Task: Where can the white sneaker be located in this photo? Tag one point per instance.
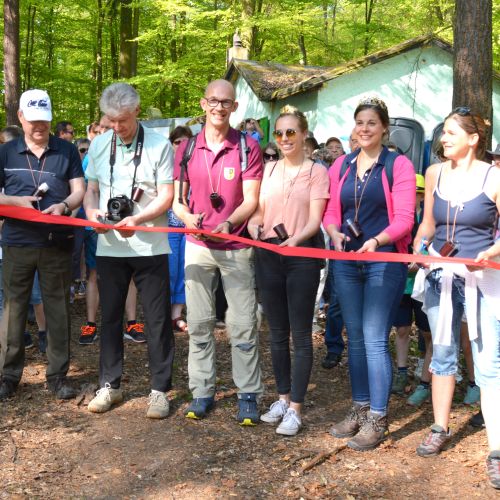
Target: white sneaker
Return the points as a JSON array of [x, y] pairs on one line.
[[105, 398], [158, 406], [290, 424], [276, 412]]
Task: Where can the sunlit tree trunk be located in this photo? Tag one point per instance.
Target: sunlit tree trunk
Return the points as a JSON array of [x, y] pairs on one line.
[[12, 85]]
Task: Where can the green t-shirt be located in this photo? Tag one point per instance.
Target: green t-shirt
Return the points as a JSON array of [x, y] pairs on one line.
[[156, 167]]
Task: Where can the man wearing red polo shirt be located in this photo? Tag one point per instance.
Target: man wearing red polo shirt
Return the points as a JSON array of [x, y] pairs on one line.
[[221, 199]]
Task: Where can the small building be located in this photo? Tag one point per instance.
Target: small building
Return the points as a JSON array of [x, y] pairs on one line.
[[414, 78]]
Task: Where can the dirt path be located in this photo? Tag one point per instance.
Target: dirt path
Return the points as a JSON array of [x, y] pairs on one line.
[[55, 449]]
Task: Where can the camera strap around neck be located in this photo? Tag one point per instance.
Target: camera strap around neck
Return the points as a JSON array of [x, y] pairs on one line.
[[137, 157]]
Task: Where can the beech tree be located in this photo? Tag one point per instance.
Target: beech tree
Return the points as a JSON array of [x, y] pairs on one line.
[[12, 84], [473, 56]]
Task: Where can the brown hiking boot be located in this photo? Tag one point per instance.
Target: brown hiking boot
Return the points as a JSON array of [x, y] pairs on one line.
[[351, 423], [433, 442], [374, 430]]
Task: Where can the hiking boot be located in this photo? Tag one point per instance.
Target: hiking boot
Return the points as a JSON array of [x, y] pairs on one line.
[[28, 341], [493, 468], [351, 423], [7, 389], [158, 405], [276, 412], [248, 413], [399, 383], [473, 395], [105, 398], [373, 431], [42, 342], [88, 334], [434, 442], [291, 423], [135, 333], [60, 388], [199, 408], [419, 396], [331, 360], [477, 420]]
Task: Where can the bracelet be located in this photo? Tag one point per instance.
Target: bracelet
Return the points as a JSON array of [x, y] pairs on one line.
[[378, 242], [230, 224]]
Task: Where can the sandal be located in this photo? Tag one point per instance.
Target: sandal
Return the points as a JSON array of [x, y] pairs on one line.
[[179, 325]]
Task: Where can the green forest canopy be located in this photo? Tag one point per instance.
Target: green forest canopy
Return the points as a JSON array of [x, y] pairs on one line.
[[72, 49]]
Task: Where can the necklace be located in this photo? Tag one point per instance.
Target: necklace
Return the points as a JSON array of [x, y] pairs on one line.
[[215, 197], [357, 203]]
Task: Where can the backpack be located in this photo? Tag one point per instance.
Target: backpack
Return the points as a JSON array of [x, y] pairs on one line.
[[188, 153], [388, 166]]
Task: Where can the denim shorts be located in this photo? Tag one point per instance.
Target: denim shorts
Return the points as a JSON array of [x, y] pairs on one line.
[[36, 293], [485, 348], [90, 243], [444, 358]]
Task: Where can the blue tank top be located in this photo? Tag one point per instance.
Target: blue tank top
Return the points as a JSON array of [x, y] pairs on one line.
[[476, 222]]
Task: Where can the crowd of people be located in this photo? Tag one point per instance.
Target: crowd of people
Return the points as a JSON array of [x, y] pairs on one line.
[[289, 193]]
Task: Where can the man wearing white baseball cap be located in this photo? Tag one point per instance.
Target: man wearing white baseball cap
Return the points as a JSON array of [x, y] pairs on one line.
[[38, 171]]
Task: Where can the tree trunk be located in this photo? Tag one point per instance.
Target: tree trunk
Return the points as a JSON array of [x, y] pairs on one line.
[[302, 47], [126, 25], [113, 45], [250, 31], [135, 45], [11, 60], [30, 42], [473, 56], [368, 18], [98, 60]]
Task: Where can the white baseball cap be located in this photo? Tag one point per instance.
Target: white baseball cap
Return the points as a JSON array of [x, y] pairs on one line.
[[36, 106]]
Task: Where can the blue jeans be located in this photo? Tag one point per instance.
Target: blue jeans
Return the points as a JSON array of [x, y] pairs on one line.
[[485, 349], [369, 294], [177, 243], [334, 322]]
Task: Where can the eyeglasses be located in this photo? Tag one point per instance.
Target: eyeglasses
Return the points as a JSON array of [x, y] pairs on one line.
[[465, 111], [214, 102], [289, 132], [271, 157], [83, 150]]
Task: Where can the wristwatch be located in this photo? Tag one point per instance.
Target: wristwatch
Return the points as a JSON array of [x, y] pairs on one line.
[[67, 210]]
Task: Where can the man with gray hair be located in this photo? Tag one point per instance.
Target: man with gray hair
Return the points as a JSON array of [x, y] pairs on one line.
[[130, 184]]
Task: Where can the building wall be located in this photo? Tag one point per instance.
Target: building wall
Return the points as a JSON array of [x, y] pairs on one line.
[[417, 84]]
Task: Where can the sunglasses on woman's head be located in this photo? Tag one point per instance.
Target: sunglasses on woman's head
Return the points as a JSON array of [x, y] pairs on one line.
[[289, 132], [465, 111], [271, 157]]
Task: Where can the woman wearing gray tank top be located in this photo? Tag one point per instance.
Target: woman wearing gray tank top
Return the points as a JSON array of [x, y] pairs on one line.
[[462, 203]]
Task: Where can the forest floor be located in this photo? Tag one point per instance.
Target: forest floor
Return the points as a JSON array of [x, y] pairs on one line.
[[54, 449]]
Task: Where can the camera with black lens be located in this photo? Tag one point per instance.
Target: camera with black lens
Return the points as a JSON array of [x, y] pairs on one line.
[[119, 207]]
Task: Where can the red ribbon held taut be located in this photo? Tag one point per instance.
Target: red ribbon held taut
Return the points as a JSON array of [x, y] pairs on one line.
[[32, 215]]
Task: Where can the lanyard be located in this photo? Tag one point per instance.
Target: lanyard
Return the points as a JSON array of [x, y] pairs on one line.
[[137, 158], [39, 173]]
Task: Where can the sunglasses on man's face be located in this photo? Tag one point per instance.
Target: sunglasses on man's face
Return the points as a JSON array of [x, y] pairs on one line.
[[289, 132], [83, 150], [271, 157]]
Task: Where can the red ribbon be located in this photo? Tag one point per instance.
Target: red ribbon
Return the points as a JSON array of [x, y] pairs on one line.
[[32, 215]]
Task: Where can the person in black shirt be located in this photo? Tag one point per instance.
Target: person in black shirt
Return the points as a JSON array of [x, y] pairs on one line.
[[26, 165]]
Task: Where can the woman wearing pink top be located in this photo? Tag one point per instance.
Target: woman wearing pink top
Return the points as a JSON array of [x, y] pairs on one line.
[[293, 196], [369, 211]]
